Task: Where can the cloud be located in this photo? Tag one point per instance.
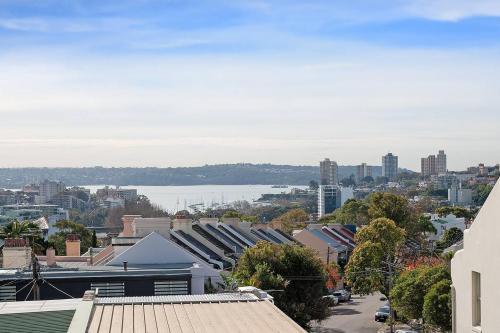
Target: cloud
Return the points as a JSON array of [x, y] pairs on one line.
[[453, 10]]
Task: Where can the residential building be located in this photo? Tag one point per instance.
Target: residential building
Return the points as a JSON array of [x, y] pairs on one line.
[[434, 164], [328, 172], [483, 170], [329, 199], [334, 243], [459, 196], [443, 181], [149, 266], [475, 270], [127, 194], [248, 310], [441, 163], [441, 224], [362, 171], [47, 190], [428, 166], [390, 166]]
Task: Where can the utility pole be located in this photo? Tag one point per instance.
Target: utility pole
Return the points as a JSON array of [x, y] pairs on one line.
[[36, 277], [328, 256], [391, 311]]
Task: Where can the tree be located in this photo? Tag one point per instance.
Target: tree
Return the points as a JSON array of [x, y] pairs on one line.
[[94, 239], [352, 212], [425, 226], [26, 230], [313, 185], [450, 237], [66, 228], [411, 287], [347, 182], [16, 229], [291, 220], [391, 206], [437, 305], [296, 274], [375, 256], [481, 193], [367, 179], [457, 211]]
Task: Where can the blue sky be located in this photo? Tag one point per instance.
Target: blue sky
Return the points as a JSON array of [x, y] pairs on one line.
[[170, 83]]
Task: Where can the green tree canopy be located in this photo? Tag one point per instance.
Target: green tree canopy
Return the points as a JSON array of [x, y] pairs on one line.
[[16, 229], [313, 185], [352, 212], [391, 206], [374, 256], [66, 228], [457, 211], [295, 272], [411, 287], [481, 193], [293, 219], [437, 305], [450, 237]]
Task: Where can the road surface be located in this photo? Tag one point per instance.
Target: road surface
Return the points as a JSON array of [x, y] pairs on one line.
[[357, 316]]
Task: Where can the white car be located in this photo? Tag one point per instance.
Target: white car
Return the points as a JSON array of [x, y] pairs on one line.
[[333, 299], [406, 331]]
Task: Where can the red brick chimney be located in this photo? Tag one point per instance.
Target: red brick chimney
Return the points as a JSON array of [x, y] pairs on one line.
[[72, 245]]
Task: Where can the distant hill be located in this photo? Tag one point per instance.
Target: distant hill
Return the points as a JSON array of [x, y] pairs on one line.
[[222, 174]]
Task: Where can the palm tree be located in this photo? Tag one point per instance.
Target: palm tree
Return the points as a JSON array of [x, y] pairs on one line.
[[17, 229]]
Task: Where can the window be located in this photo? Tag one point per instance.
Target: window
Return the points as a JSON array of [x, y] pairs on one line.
[[476, 299], [7, 293], [173, 287], [105, 289]]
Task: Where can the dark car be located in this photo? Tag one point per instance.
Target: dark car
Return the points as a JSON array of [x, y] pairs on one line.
[[383, 314]]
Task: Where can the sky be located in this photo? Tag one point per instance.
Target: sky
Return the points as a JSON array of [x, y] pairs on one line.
[[188, 83]]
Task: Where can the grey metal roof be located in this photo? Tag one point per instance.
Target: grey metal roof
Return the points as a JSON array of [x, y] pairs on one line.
[[100, 271], [171, 299]]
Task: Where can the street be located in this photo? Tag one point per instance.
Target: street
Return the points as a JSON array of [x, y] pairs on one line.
[[356, 316]]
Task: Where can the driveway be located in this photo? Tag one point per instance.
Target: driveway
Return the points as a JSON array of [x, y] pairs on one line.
[[353, 317]]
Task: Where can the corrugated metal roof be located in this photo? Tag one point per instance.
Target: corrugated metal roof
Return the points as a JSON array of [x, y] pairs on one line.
[[227, 317], [39, 322]]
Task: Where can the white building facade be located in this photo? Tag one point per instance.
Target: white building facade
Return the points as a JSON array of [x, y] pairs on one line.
[[475, 272]]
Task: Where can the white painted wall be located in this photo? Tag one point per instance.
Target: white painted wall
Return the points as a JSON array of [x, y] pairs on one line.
[[481, 254], [451, 222]]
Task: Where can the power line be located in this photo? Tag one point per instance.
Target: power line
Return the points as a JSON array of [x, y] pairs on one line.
[[61, 291]]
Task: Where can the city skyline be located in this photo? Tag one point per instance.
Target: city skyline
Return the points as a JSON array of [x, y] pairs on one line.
[[184, 84]]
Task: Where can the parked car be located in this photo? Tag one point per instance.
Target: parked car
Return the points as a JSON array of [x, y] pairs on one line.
[[383, 314], [406, 331], [333, 299], [343, 295]]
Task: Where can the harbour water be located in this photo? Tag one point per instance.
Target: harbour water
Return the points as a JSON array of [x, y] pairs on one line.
[[175, 198]]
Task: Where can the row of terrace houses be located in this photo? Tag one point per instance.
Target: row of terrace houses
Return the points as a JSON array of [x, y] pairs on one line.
[[153, 256]]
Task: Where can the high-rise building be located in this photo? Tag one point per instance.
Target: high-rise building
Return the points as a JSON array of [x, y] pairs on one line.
[[49, 189], [428, 165], [434, 164], [329, 199], [362, 171], [328, 172], [441, 166], [390, 166]]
